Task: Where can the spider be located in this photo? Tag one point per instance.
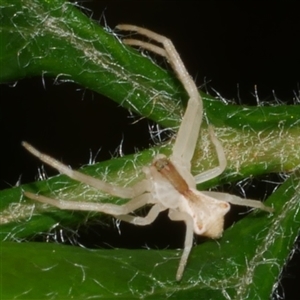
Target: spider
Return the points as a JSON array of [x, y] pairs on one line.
[[168, 183]]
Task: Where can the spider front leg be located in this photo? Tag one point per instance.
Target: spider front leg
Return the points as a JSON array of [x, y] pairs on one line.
[[140, 192], [188, 132], [118, 191]]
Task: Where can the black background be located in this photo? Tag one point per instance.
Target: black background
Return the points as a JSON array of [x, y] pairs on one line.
[[228, 43]]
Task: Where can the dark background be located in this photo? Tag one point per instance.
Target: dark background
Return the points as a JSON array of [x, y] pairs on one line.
[[225, 43]]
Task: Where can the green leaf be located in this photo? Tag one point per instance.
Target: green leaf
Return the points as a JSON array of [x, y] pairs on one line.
[[233, 267], [54, 38]]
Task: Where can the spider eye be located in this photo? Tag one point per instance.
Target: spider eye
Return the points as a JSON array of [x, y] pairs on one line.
[[161, 163]]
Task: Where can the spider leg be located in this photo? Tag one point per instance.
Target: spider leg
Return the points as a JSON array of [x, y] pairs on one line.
[[108, 208], [142, 221], [122, 192], [188, 243], [209, 174], [188, 132], [238, 200]]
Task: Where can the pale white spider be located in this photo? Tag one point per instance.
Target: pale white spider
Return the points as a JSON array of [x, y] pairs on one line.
[[168, 184]]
